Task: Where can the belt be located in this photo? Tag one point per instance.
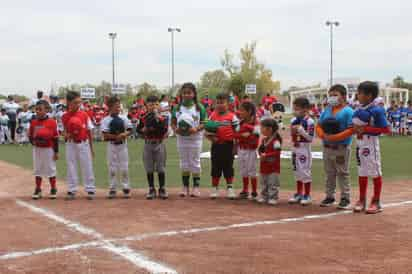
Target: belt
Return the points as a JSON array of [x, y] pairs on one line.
[[335, 147], [116, 143], [153, 142], [76, 142]]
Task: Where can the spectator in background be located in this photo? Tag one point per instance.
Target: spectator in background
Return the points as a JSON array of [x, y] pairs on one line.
[[11, 108]]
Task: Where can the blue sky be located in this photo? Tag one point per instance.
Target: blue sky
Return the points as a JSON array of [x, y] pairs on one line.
[[48, 41]]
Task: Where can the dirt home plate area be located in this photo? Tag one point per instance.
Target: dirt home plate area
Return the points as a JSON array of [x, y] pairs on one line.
[[197, 235]]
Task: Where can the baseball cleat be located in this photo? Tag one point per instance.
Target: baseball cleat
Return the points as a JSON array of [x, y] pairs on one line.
[[230, 193], [261, 200], [359, 206], [215, 193], [272, 202], [184, 192], [295, 199], [126, 193], [374, 207], [344, 203], [112, 194], [306, 200], [327, 202], [70, 196], [53, 194], [243, 195], [90, 195], [163, 194], [254, 196], [151, 194], [195, 192], [37, 194]]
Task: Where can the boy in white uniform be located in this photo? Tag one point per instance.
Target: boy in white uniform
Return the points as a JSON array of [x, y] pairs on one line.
[[24, 117], [116, 128], [4, 128]]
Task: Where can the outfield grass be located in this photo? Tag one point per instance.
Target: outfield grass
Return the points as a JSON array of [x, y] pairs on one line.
[[395, 154]]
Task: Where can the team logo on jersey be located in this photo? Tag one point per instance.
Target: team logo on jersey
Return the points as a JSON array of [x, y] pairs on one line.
[[302, 159], [366, 152]]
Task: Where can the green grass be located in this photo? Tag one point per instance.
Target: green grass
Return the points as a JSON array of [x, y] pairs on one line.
[[395, 154]]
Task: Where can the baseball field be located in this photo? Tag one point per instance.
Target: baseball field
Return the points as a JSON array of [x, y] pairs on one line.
[[189, 235]]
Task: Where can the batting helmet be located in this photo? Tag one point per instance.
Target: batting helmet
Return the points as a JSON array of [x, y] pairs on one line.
[[74, 125], [361, 117]]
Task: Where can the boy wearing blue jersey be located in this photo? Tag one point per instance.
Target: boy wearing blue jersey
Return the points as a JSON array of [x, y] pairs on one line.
[[369, 123]]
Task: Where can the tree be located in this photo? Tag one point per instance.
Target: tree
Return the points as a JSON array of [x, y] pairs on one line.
[[213, 82]]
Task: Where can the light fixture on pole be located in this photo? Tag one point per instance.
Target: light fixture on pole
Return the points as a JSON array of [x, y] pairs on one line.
[[172, 30], [331, 24], [113, 35]]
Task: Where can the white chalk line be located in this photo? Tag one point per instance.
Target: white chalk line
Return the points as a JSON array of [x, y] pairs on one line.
[[121, 250], [14, 255]]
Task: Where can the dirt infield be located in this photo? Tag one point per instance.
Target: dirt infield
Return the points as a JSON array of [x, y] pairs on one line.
[[197, 235]]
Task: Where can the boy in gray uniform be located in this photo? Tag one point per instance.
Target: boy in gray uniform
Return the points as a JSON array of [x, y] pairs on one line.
[[154, 130]]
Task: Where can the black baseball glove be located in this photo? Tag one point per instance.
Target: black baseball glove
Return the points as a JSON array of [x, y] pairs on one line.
[[330, 126]]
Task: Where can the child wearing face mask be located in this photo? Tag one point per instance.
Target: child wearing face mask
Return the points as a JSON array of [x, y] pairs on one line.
[[337, 147], [302, 131]]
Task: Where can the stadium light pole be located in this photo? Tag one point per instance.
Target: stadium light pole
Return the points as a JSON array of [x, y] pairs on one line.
[[172, 31], [113, 35], [331, 24]]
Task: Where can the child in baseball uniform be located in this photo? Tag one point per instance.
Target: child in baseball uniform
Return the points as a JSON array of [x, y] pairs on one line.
[[154, 130], [269, 152], [222, 156], [369, 123], [116, 128], [79, 146], [395, 118], [187, 121], [43, 136], [302, 131], [5, 136], [248, 140], [403, 125], [23, 118], [409, 118]]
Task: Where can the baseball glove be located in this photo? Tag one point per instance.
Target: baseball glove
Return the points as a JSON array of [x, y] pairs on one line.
[[211, 126], [19, 130], [116, 127], [154, 124], [330, 126]]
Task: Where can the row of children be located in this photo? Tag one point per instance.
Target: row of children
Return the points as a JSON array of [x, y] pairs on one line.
[[400, 118]]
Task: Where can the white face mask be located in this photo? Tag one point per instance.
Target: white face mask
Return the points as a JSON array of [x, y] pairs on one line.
[[333, 101]]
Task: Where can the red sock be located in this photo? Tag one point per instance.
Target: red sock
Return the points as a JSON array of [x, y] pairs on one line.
[[363, 186], [245, 184], [38, 182], [229, 181], [307, 188], [52, 182], [254, 184], [377, 188], [215, 181], [299, 187]]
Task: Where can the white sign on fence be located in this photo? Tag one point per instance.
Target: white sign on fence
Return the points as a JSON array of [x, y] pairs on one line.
[[88, 93], [250, 89], [118, 89], [285, 154]]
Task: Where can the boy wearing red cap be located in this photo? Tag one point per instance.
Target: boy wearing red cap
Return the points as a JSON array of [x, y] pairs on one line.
[[79, 146]]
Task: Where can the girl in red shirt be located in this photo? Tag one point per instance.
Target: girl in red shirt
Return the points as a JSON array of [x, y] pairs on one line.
[[269, 152]]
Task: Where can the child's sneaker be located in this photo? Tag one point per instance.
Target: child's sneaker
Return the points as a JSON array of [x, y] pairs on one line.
[[195, 192], [70, 196], [151, 194], [254, 196], [163, 194], [37, 194], [53, 194], [230, 193], [90, 195], [112, 194], [243, 195], [295, 199], [184, 192], [374, 207], [261, 200], [126, 193], [215, 193], [344, 203], [272, 202], [327, 202], [306, 200], [359, 206]]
